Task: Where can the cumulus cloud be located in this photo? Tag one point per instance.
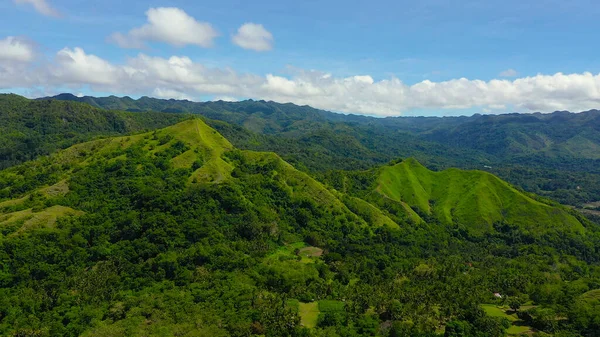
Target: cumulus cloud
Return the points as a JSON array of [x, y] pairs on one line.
[[14, 49], [16, 58], [181, 77], [170, 25], [253, 36], [74, 66], [225, 99], [169, 94], [509, 73], [41, 6]]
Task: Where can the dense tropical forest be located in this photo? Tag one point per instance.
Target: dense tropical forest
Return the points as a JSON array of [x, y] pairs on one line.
[[272, 220], [30, 128]]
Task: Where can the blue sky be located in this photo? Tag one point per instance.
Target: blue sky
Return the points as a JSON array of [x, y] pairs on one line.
[[320, 52]]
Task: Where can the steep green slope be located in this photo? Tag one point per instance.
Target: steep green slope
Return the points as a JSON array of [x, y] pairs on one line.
[[475, 199], [30, 128]]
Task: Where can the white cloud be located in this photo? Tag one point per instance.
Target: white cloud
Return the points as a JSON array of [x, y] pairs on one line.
[[169, 93], [509, 73], [253, 36], [13, 49], [181, 77], [170, 25], [225, 99], [41, 6], [74, 66]]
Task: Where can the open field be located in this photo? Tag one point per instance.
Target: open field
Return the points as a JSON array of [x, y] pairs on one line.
[[518, 326], [309, 314]]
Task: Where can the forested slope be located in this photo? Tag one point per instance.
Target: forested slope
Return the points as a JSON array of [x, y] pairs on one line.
[[30, 128]]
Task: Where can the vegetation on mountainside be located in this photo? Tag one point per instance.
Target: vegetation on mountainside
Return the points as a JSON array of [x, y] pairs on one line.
[[474, 199], [30, 128], [177, 232], [554, 155]]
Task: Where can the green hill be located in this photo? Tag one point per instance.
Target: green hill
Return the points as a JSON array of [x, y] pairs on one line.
[[475, 199], [192, 148]]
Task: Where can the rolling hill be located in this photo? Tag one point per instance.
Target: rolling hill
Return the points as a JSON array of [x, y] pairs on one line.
[[474, 199], [190, 147]]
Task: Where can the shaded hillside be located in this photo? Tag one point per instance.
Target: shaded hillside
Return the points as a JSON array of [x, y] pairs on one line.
[[560, 134], [30, 128]]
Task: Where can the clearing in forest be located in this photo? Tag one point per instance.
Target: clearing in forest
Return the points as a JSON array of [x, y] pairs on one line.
[[518, 326], [309, 314]]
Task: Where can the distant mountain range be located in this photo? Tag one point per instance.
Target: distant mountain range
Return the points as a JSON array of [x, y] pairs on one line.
[[561, 133], [556, 154]]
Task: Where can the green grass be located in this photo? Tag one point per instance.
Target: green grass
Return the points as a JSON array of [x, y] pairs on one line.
[[495, 311], [209, 143], [59, 189], [475, 199], [592, 295], [331, 306], [517, 326], [367, 211], [286, 252], [310, 254], [28, 219], [518, 329], [185, 160], [309, 314], [13, 202]]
